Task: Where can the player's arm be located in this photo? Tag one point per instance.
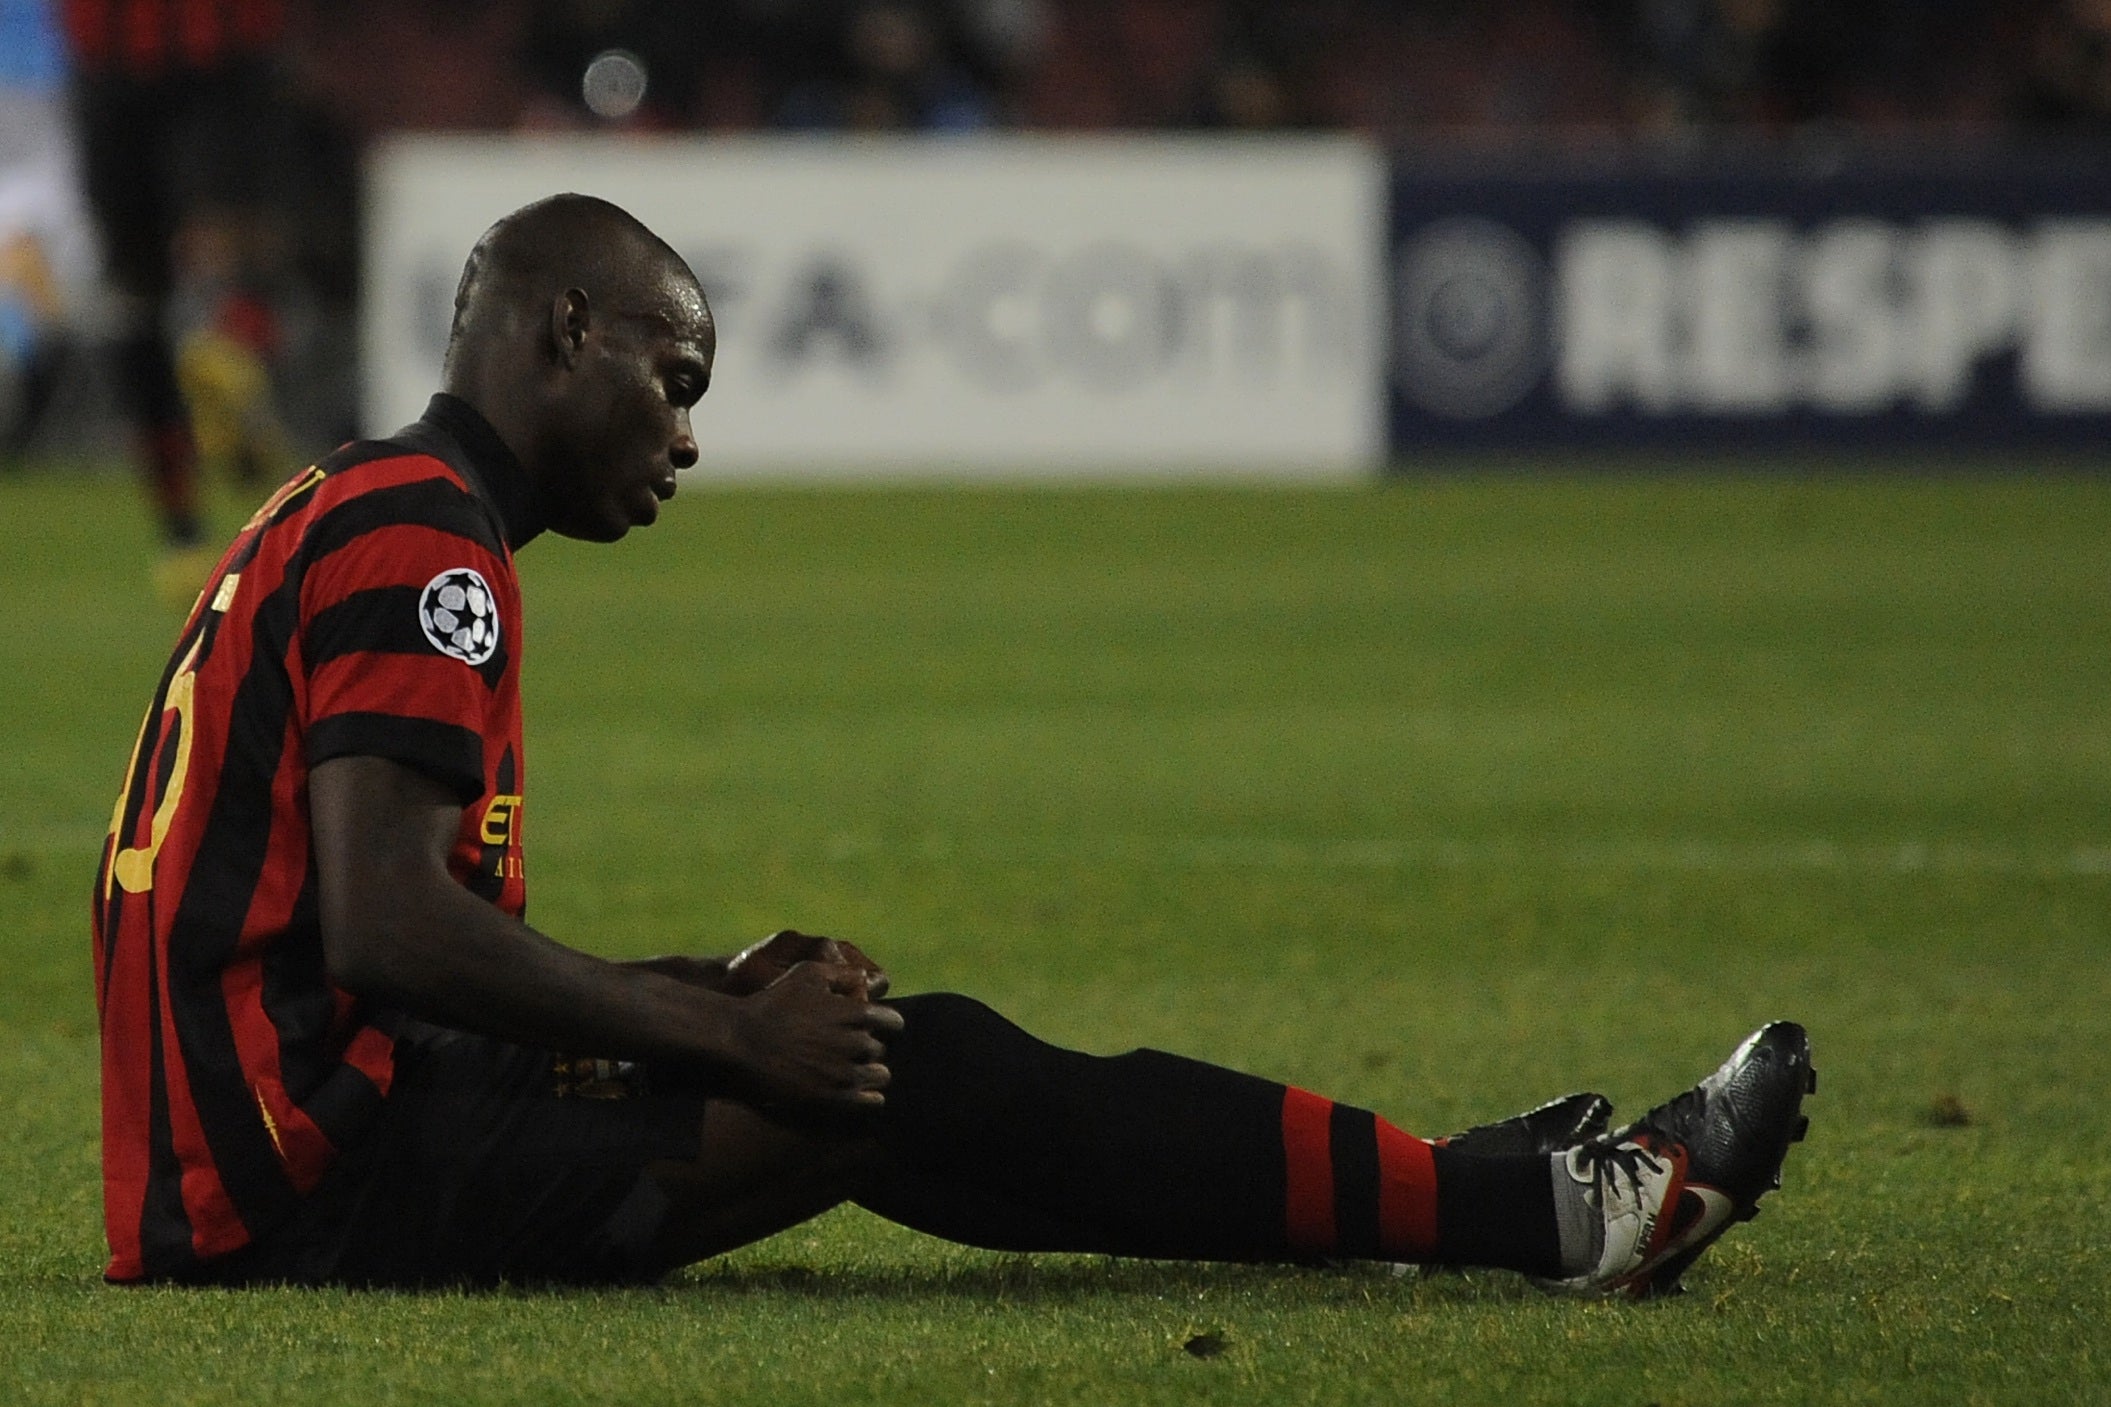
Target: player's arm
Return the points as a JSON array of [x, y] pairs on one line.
[[711, 973], [398, 929], [764, 963]]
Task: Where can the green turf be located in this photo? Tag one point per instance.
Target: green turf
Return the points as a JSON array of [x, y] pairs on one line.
[[1441, 797]]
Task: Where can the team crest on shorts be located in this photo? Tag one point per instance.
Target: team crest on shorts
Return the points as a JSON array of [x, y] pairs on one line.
[[460, 615]]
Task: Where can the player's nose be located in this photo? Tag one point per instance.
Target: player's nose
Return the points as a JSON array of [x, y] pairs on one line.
[[682, 453]]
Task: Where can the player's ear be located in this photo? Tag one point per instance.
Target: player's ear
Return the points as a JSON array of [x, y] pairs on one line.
[[569, 316]]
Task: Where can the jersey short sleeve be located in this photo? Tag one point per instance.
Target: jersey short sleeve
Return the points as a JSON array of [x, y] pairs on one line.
[[405, 634]]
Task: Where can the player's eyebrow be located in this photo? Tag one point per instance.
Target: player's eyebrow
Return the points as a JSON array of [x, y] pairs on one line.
[[677, 331]]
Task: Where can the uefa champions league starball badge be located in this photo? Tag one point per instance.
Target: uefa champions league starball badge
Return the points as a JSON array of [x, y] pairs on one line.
[[460, 615]]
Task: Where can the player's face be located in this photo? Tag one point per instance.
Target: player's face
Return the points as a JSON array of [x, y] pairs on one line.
[[626, 416]]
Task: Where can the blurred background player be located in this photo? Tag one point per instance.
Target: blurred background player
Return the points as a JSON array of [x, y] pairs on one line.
[[181, 123]]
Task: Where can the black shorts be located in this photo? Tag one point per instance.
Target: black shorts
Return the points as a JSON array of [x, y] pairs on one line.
[[489, 1163], [157, 150]]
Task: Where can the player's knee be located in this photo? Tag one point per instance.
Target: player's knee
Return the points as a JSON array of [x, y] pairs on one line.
[[949, 1026], [956, 1060]]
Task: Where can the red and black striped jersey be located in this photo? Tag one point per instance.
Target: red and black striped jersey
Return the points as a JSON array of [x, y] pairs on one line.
[[145, 38], [369, 608]]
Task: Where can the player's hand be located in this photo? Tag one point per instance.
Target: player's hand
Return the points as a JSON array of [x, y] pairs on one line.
[[758, 965], [812, 1037]]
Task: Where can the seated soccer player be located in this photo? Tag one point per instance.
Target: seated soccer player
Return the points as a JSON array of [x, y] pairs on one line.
[[334, 1053]]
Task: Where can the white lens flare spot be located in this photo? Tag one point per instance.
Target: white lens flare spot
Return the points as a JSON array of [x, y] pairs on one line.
[[614, 84]]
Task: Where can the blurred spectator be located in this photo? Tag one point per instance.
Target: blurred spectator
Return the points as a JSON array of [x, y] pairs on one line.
[[1704, 61], [1779, 65], [874, 65], [46, 258], [2066, 84], [694, 62]]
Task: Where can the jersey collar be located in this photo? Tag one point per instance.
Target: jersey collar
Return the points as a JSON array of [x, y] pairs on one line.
[[495, 473]]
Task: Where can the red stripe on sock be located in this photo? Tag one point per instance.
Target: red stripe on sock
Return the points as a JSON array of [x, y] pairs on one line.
[[172, 471], [1407, 1195], [1308, 1171]]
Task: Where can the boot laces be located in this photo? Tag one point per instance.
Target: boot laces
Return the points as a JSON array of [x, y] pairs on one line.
[[1609, 1163]]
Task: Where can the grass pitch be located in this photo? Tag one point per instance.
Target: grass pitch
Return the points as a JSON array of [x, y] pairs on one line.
[[1441, 797]]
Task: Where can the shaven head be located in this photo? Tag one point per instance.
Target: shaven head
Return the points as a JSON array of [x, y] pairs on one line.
[[534, 254], [584, 341]]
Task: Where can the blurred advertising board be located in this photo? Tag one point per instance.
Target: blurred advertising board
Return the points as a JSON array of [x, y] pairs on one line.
[[1763, 299], [990, 308]]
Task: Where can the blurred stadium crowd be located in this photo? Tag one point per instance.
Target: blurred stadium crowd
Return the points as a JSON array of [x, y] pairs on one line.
[[257, 311], [1396, 68]]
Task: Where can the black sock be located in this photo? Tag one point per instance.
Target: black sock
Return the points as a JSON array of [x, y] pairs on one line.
[[1498, 1211], [1005, 1141], [146, 384]]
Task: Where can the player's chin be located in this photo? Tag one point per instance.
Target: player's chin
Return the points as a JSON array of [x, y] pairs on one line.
[[645, 504], [613, 517], [600, 528], [640, 510]]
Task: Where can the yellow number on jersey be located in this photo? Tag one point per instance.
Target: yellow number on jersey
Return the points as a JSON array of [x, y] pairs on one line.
[[133, 867]]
